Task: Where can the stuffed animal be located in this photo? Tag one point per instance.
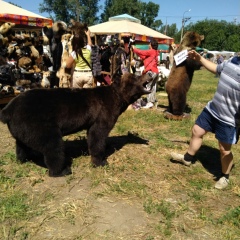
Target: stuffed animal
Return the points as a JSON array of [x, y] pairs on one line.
[[6, 32], [25, 63], [45, 82], [5, 27]]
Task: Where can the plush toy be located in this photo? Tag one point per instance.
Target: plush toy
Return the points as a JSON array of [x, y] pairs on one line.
[[25, 63], [5, 27], [63, 73], [180, 78], [14, 52], [45, 82], [6, 32]]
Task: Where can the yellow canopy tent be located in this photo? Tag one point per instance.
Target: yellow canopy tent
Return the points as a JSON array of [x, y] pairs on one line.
[[126, 25], [22, 17]]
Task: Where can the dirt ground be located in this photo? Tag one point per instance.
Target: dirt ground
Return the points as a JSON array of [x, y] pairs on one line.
[[91, 205], [94, 218]]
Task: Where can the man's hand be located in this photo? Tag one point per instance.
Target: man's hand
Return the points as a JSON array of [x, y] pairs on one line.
[[194, 55]]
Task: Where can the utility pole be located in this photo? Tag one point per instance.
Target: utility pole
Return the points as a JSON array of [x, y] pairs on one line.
[[165, 32], [183, 22]]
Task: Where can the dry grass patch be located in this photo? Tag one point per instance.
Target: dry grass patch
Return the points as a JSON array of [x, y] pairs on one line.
[[140, 195]]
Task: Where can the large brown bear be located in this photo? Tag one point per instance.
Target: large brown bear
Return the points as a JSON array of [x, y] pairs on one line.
[[39, 118], [180, 78]]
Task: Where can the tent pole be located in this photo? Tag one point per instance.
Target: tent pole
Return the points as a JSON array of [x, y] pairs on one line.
[[131, 57]]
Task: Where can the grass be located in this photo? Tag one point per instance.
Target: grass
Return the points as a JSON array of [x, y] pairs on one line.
[[166, 200]]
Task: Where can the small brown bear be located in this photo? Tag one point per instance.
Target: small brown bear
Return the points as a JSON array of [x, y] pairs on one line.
[[63, 73], [180, 78]]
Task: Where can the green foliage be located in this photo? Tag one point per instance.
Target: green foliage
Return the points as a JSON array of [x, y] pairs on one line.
[[15, 4], [218, 35], [80, 10], [146, 12]]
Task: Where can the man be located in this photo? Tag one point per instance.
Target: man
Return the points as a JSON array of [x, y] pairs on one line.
[[150, 61], [220, 116]]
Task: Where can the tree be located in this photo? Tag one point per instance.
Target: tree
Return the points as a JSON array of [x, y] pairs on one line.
[[218, 35], [15, 4], [57, 9], [80, 10], [169, 30], [116, 7], [106, 11], [146, 12]]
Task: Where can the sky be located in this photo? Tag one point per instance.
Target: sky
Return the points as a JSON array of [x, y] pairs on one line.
[[173, 11]]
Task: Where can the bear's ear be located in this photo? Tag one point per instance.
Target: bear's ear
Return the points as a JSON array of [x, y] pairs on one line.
[[202, 37]]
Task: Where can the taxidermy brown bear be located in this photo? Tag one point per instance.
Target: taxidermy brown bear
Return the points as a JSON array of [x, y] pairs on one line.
[[39, 118], [180, 78]]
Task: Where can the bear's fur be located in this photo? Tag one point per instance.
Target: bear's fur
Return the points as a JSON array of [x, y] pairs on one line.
[[180, 78], [39, 118]]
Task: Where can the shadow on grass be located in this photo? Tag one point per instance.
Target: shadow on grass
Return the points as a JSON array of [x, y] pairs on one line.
[[79, 147], [209, 158], [188, 109]]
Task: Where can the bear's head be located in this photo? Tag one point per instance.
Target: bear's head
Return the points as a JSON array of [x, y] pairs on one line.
[[190, 41]]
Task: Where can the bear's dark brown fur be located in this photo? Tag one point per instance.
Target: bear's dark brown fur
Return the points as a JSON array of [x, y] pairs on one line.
[[39, 118], [180, 78]]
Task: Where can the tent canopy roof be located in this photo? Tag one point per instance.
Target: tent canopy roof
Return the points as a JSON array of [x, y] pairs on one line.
[[124, 17], [124, 24], [20, 16]]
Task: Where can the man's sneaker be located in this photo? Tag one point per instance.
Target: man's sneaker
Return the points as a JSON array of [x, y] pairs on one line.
[[180, 158], [149, 105], [222, 183]]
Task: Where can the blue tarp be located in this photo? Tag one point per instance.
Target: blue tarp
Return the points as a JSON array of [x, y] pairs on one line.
[[163, 47]]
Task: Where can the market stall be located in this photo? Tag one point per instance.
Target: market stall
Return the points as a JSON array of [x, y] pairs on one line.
[[128, 26], [23, 20], [21, 17]]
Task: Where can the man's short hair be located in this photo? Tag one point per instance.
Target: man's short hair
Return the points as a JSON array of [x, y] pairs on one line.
[[154, 44]]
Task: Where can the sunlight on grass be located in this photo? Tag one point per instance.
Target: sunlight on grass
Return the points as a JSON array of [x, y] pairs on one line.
[[175, 201]]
